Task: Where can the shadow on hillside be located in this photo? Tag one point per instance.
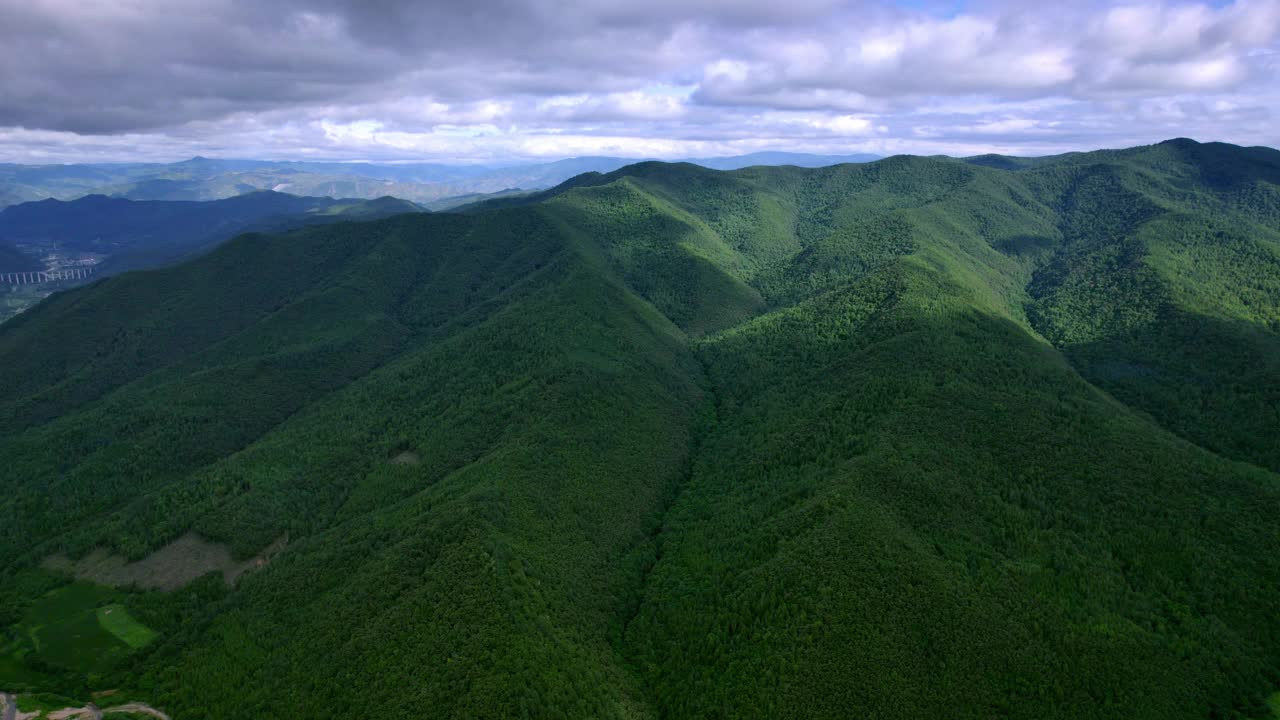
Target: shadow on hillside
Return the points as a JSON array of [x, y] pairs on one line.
[[1213, 381]]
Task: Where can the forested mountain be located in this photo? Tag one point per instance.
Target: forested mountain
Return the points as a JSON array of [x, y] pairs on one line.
[[915, 438]]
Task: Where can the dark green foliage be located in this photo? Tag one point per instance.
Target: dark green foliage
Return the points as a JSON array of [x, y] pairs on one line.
[[918, 438], [14, 260]]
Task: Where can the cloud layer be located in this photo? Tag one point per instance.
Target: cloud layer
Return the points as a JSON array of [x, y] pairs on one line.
[[500, 80]]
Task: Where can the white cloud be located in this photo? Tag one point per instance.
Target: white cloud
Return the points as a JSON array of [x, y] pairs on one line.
[[498, 79], [844, 125]]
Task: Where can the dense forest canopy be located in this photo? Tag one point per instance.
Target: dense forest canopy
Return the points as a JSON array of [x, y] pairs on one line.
[[921, 437]]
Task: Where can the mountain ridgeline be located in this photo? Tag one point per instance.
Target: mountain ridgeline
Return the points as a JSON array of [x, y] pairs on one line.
[[436, 186], [914, 438]]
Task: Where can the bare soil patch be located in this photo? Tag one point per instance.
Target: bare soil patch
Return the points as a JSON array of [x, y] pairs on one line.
[[88, 711], [137, 708], [169, 568], [408, 457]]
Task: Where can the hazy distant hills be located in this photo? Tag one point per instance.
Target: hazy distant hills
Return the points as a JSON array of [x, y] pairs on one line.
[[205, 179], [132, 234], [780, 158], [112, 235]]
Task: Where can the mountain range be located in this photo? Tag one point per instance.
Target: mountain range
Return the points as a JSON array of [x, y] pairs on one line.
[[210, 179], [920, 437]]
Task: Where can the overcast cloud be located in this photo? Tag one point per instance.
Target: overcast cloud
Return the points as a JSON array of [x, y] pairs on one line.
[[501, 80]]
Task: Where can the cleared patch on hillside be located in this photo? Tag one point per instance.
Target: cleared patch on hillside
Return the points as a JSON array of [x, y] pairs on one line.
[[408, 457], [169, 568]]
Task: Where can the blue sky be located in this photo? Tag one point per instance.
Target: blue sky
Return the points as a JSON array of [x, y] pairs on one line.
[[506, 80]]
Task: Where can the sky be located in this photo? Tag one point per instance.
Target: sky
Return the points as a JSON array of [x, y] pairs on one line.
[[485, 81]]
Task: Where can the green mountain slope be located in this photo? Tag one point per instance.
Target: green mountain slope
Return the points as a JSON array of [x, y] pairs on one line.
[[920, 437]]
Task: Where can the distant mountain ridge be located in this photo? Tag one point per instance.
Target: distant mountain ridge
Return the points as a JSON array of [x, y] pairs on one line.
[[116, 234], [804, 160], [145, 233], [201, 178]]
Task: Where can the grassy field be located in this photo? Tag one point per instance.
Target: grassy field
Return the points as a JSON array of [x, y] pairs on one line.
[[117, 621], [65, 631], [80, 628]]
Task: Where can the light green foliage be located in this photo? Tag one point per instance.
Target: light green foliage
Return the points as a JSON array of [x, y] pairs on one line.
[[69, 634], [917, 438], [116, 620]]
